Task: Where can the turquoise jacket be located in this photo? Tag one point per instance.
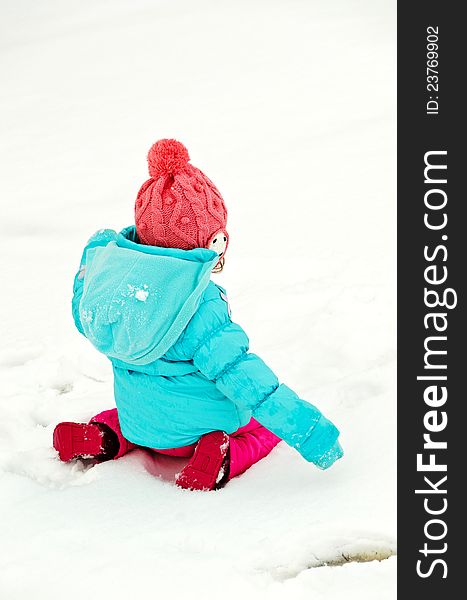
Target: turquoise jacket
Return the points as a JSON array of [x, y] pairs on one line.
[[181, 365]]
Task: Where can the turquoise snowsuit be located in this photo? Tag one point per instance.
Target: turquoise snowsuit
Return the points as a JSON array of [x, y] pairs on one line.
[[181, 365]]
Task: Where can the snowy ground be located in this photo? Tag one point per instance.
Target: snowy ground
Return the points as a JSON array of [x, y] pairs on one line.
[[290, 108]]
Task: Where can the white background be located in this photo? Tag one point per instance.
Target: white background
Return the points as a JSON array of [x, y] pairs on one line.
[[289, 107]]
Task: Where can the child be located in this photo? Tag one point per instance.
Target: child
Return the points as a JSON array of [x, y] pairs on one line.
[[185, 383]]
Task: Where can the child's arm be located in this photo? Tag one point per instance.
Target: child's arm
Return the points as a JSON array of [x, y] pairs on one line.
[[100, 238], [219, 349]]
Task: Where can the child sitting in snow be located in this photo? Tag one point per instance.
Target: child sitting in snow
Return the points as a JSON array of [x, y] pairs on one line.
[[185, 383]]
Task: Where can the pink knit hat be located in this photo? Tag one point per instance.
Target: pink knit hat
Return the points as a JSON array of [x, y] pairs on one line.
[[179, 207]]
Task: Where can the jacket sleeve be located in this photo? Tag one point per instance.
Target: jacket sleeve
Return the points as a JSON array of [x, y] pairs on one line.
[[100, 238], [221, 353]]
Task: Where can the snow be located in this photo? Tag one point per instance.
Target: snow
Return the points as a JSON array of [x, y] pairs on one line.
[[290, 108], [141, 295]]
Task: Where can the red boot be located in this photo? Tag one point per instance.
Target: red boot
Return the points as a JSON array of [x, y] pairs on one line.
[[82, 440], [208, 464]]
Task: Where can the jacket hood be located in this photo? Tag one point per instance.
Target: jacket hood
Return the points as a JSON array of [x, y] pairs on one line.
[[138, 299]]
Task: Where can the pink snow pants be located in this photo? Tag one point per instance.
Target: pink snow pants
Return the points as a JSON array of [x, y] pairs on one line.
[[248, 445]]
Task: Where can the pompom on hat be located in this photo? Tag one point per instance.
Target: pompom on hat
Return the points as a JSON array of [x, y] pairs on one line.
[[179, 207]]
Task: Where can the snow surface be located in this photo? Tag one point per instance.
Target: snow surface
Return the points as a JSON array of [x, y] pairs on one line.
[[290, 108]]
